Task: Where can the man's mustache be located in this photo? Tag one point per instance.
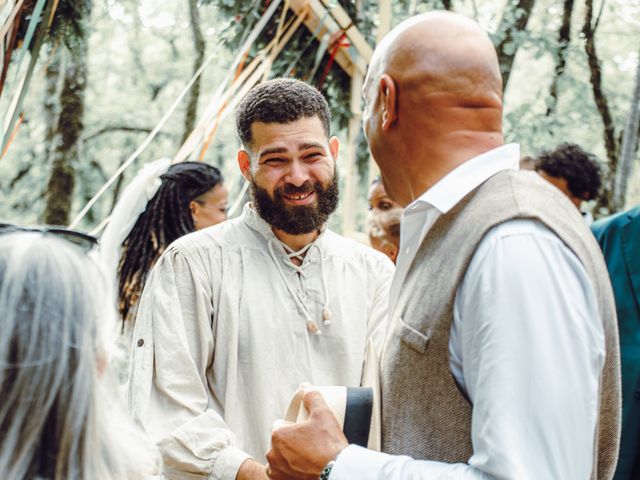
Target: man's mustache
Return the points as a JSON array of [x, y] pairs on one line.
[[290, 189]]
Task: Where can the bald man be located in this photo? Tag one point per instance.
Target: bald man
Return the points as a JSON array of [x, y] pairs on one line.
[[501, 359]]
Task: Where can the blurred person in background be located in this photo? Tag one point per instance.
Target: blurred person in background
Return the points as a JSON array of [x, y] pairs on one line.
[[384, 222], [191, 196], [619, 238], [527, 162], [59, 415], [574, 171], [161, 204]]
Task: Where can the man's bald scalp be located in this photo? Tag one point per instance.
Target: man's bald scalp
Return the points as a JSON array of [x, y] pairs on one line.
[[440, 52]]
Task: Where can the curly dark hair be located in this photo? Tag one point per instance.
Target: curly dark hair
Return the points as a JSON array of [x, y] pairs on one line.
[[166, 218], [580, 169], [281, 100]]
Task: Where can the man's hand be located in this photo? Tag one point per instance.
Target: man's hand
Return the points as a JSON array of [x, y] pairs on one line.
[[302, 450], [252, 470]]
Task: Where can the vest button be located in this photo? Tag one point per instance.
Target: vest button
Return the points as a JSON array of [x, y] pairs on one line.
[[140, 342]]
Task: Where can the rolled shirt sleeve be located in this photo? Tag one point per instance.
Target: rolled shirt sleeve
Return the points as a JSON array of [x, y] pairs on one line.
[[173, 345]]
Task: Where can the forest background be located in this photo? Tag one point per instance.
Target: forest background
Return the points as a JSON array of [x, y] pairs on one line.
[[109, 70]]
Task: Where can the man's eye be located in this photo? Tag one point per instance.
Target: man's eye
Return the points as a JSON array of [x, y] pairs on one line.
[[274, 161], [313, 156], [384, 206]]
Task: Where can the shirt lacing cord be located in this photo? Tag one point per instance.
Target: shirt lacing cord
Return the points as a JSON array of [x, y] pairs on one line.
[[312, 326]]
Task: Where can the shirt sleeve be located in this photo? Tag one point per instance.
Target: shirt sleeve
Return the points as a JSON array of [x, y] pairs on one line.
[[532, 349], [173, 345]]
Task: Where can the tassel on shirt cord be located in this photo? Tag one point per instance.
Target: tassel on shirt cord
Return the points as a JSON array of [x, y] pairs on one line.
[[312, 326]]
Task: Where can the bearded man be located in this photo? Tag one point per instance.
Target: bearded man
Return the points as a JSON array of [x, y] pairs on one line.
[[235, 316]]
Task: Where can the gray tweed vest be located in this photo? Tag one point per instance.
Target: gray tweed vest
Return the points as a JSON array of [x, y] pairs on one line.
[[424, 415]]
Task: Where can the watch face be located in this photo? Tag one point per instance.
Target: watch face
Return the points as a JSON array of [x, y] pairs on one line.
[[327, 471]]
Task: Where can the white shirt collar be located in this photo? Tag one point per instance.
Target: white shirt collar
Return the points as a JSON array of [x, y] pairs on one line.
[[448, 191]]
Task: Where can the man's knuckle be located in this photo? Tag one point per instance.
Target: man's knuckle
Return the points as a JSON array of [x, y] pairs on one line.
[[271, 457], [277, 437]]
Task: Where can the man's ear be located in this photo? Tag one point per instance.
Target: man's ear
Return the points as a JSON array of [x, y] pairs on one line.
[[334, 147], [244, 162], [388, 101]]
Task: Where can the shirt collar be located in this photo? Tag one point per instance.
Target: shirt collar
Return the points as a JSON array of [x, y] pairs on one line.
[[462, 180]]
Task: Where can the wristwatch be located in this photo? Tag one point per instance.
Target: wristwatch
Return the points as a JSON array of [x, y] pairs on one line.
[[324, 475]]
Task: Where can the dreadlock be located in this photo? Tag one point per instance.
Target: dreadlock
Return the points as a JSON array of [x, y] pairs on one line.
[[166, 218]]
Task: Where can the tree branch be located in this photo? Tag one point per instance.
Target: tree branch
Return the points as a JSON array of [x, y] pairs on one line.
[[194, 93], [514, 20], [122, 128], [564, 37], [629, 146], [595, 27], [602, 105]]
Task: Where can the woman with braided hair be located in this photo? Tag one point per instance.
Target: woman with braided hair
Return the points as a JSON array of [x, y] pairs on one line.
[[191, 196], [162, 203]]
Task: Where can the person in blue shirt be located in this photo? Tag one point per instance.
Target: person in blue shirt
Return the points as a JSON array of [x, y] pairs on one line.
[[619, 237]]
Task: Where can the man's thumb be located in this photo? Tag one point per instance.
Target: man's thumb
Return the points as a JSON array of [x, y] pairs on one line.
[[313, 401]]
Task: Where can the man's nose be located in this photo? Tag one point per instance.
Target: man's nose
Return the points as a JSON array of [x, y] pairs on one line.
[[298, 174]]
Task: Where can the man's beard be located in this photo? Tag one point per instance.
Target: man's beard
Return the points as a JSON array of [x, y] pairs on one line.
[[292, 219]]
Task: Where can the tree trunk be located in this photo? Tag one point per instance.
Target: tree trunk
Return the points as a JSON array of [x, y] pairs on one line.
[[51, 107], [564, 37], [629, 146], [194, 94], [514, 21], [605, 201], [69, 127]]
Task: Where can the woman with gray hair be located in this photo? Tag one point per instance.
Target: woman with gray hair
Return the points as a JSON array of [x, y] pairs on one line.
[[59, 415]]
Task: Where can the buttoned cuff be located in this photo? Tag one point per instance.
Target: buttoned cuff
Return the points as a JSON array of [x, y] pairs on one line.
[[228, 463], [358, 462]]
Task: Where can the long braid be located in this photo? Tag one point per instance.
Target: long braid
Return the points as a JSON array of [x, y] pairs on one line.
[[166, 218]]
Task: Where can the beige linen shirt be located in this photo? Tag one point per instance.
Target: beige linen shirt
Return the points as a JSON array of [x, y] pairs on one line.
[[220, 342]]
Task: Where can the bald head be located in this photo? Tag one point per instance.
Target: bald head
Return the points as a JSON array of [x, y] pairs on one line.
[[439, 52], [433, 97]]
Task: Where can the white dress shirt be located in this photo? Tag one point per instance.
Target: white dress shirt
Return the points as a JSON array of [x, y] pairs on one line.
[[533, 380], [221, 341]]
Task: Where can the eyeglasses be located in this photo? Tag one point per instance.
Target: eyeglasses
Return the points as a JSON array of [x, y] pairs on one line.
[[85, 241]]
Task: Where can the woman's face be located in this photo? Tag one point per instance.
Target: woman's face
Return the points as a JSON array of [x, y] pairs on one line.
[[384, 211], [210, 208], [379, 201]]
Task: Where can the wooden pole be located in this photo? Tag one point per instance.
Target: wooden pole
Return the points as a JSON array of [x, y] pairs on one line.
[[329, 18], [351, 172]]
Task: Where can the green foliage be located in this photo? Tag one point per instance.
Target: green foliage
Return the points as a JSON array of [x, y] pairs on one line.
[[303, 58], [68, 22], [141, 55]]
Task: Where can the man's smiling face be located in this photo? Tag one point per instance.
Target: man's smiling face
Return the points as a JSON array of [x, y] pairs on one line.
[[292, 174]]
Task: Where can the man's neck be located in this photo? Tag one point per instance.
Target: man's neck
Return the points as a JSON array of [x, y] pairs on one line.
[[439, 160], [296, 242]]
